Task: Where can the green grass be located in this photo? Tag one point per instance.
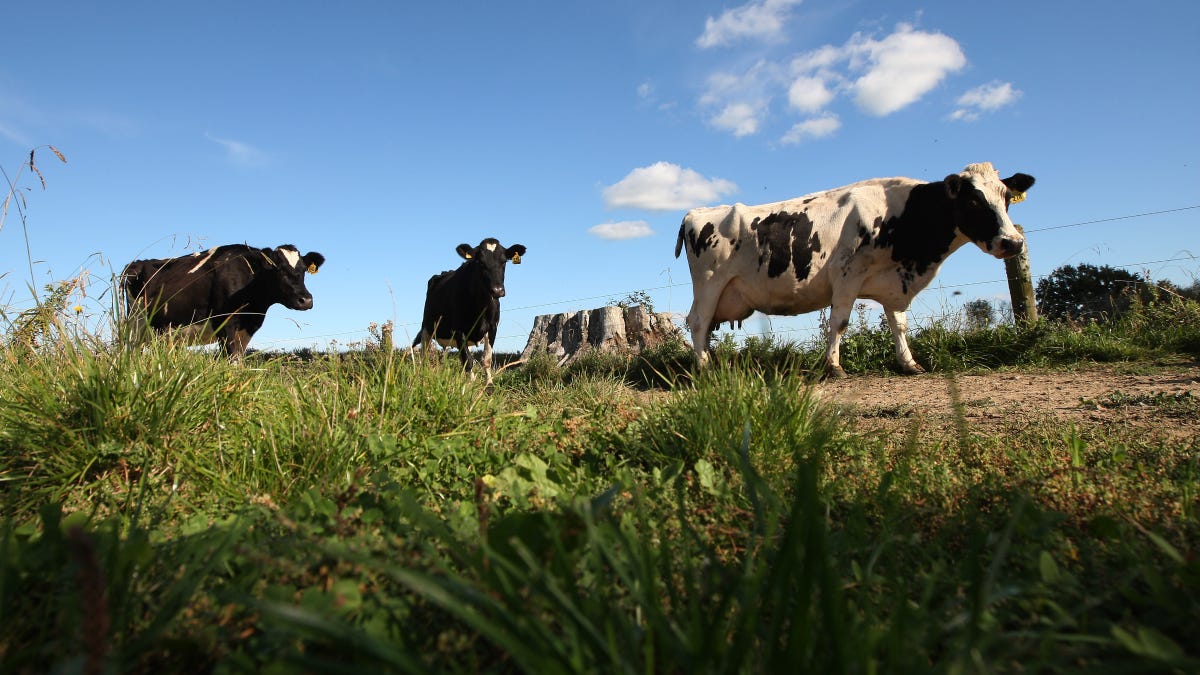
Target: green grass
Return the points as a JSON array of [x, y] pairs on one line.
[[168, 511]]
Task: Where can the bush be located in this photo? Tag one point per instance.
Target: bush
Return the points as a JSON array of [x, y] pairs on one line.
[[1085, 293]]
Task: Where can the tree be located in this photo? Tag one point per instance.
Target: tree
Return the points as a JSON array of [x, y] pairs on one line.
[[1086, 292], [980, 314]]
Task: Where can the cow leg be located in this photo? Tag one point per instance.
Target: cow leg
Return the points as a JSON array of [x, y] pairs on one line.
[[839, 322], [487, 359], [137, 326], [423, 340], [489, 339], [898, 322], [464, 353], [710, 309], [234, 342], [701, 328]]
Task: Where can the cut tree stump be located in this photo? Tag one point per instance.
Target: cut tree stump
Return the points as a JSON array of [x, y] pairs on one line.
[[611, 329]]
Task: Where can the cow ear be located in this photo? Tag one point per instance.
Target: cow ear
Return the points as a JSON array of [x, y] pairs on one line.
[[1018, 184], [464, 251], [515, 252], [313, 261], [953, 185]]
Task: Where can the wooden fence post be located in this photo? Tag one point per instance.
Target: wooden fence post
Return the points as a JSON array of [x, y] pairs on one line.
[[1020, 286], [385, 341]]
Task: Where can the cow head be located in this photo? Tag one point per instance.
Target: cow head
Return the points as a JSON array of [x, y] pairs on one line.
[[979, 201], [284, 272], [488, 259]]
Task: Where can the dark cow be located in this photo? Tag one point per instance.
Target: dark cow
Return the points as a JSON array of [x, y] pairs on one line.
[[882, 239], [462, 306], [220, 295]]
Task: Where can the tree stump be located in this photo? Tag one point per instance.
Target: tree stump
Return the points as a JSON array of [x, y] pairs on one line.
[[611, 329]]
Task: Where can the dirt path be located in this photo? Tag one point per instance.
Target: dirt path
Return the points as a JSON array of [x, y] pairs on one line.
[[1167, 397]]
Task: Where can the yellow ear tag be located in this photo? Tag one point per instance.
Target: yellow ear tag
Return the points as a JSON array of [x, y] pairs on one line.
[[516, 258], [1016, 197], [312, 269]]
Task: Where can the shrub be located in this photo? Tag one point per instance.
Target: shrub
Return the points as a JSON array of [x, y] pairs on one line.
[[1085, 293]]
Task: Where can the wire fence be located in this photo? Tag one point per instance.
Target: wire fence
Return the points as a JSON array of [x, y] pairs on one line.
[[411, 327], [914, 319]]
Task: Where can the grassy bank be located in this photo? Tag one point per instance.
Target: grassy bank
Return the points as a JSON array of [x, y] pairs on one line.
[[165, 511]]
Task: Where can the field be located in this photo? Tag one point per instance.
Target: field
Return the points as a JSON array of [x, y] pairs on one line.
[[1030, 505]]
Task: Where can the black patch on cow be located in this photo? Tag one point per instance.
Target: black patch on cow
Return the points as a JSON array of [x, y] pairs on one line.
[[803, 249], [975, 217], [703, 240], [786, 239], [920, 235], [845, 198]]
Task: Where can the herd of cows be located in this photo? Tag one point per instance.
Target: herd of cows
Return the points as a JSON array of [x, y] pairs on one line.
[[882, 239]]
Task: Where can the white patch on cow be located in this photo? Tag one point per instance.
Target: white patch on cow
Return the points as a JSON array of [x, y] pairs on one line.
[[491, 246], [200, 264], [292, 257]]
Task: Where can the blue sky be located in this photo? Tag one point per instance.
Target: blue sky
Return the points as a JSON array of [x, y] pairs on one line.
[[384, 134]]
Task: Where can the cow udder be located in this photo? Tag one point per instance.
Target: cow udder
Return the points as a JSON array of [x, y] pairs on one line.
[[733, 304]]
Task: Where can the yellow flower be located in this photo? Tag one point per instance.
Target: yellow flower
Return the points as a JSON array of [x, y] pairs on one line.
[[79, 309]]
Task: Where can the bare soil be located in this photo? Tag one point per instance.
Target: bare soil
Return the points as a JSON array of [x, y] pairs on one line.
[[1164, 399]]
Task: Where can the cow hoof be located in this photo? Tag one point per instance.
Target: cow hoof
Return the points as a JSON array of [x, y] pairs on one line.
[[914, 369]]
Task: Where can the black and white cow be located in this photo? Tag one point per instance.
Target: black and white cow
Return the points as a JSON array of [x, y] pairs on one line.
[[882, 239], [220, 295], [462, 306]]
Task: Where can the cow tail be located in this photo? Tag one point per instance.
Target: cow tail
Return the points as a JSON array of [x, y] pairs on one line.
[[679, 240], [130, 284]]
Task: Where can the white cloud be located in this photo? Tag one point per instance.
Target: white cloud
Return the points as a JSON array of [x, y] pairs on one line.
[[645, 90], [757, 20], [740, 118], [882, 75], [724, 87], [663, 186], [809, 94], [816, 127], [818, 60], [902, 67], [626, 229], [240, 153], [985, 98], [15, 135], [739, 102]]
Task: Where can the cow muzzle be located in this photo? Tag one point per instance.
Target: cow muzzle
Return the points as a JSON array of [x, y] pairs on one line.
[[498, 291], [304, 303], [1008, 247]]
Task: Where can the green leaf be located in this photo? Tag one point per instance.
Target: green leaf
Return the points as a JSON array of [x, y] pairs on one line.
[[1148, 642], [1048, 568], [346, 595], [1166, 547], [79, 519]]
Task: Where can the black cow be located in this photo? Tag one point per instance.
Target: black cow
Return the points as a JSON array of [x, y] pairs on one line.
[[220, 295], [462, 306]]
